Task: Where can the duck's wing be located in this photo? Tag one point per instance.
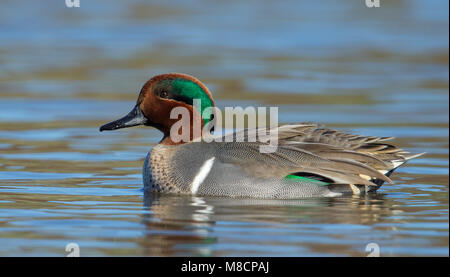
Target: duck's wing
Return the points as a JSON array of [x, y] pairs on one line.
[[291, 159], [309, 149], [332, 143]]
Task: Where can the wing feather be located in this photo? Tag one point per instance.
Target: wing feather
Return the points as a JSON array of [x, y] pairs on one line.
[[310, 148]]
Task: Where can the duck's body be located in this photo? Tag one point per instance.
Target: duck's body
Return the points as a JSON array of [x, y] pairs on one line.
[[313, 162], [166, 169], [309, 161]]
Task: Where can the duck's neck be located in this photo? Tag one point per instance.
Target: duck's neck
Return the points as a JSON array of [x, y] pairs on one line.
[[195, 132], [166, 140]]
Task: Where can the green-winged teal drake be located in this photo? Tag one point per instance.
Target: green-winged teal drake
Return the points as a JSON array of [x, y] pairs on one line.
[[310, 160]]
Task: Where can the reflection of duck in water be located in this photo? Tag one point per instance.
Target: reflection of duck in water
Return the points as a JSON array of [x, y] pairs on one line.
[[309, 161], [206, 226], [177, 225]]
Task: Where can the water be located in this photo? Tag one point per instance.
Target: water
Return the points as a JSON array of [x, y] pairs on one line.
[[64, 72]]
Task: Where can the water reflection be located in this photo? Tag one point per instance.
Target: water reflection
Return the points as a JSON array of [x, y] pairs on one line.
[[175, 221], [187, 225]]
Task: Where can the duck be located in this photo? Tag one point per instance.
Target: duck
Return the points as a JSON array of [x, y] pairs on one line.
[[310, 160]]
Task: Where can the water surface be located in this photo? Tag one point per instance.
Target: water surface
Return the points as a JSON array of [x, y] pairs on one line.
[[64, 72]]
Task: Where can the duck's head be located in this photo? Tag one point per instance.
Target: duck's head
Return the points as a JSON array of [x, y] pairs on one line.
[[159, 96]]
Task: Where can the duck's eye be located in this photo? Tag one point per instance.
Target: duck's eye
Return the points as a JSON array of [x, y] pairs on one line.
[[163, 94]]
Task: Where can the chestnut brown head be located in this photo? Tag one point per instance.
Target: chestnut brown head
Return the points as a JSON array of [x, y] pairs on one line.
[[159, 96]]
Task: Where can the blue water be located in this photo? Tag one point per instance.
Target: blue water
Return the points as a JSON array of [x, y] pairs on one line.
[[64, 72]]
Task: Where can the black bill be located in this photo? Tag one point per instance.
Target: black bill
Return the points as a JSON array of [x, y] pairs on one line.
[[133, 118]]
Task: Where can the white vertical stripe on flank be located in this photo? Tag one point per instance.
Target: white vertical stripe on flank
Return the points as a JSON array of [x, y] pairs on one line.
[[201, 174]]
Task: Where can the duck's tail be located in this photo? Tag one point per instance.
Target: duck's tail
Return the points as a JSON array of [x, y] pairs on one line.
[[356, 189]]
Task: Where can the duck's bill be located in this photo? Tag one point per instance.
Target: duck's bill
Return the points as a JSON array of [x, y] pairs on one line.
[[133, 118]]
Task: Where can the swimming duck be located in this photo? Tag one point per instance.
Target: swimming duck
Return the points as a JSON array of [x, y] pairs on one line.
[[309, 161]]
